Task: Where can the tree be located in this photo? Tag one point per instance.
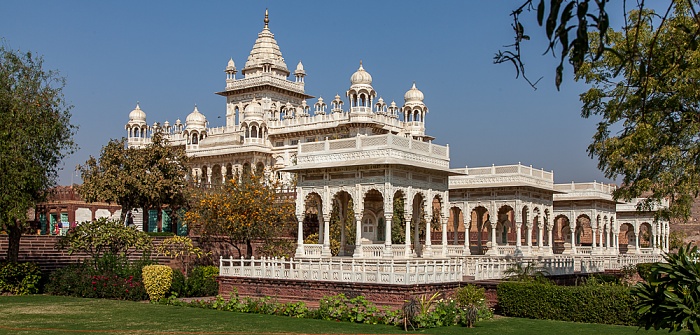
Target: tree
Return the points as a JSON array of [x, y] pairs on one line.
[[670, 297], [650, 126], [102, 237], [246, 208], [148, 177], [35, 135], [644, 81]]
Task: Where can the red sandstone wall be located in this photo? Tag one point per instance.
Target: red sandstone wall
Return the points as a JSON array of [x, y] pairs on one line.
[[41, 250]]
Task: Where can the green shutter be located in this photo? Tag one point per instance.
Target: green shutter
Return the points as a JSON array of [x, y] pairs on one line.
[[167, 222], [153, 220]]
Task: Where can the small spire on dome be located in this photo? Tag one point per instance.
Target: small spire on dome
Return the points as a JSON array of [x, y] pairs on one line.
[[267, 19], [361, 68], [137, 105]]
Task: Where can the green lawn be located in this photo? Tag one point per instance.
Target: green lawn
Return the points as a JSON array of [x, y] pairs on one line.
[[61, 315]]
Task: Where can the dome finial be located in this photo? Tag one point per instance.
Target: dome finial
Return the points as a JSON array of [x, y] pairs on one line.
[[267, 19]]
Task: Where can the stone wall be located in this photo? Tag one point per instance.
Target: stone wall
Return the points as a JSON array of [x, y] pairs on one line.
[[41, 249], [311, 292]]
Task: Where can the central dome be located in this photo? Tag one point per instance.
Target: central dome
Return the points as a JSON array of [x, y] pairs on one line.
[[361, 77]]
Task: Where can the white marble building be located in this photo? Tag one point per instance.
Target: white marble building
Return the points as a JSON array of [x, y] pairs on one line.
[[363, 149]]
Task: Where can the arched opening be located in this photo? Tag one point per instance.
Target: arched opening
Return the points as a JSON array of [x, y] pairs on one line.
[[342, 224], [479, 229], [562, 234], [456, 229], [584, 232], [505, 227], [373, 210], [398, 220], [418, 222], [312, 225], [229, 171], [216, 177], [626, 238], [645, 235], [259, 169]]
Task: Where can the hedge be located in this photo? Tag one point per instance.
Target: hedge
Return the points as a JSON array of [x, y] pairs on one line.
[[606, 304]]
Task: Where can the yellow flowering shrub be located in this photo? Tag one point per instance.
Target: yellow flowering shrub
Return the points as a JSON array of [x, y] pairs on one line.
[[157, 280]]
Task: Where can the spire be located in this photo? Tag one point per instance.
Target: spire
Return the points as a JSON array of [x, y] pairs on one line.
[[267, 18], [265, 57]]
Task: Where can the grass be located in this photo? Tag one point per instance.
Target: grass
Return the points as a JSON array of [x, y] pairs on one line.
[[63, 315]]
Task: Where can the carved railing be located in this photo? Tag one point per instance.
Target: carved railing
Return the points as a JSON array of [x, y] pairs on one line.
[[313, 250], [494, 267], [372, 250], [455, 250], [406, 272]]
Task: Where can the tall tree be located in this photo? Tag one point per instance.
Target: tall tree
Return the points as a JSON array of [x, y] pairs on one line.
[[650, 130], [644, 80], [148, 177], [35, 134], [246, 208]]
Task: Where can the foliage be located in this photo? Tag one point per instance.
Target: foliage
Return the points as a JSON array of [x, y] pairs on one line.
[[676, 239], [607, 304], [278, 248], [398, 222], [201, 281], [670, 297], [469, 295], [335, 243], [159, 233], [115, 278], [19, 278], [335, 227], [246, 208], [103, 236], [149, 177], [157, 280], [35, 135], [526, 271], [645, 79], [644, 269], [181, 249]]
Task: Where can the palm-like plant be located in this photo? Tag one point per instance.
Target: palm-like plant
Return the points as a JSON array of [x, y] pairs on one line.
[[670, 297]]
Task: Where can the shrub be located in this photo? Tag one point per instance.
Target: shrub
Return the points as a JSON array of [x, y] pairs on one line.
[[19, 278], [157, 279], [644, 269], [82, 280], [469, 295], [201, 281], [179, 284], [607, 304], [333, 308], [471, 302]]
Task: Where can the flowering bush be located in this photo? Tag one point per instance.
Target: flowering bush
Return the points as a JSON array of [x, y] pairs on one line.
[[116, 279]]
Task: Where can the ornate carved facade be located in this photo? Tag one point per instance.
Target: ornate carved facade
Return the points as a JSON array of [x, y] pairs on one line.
[[363, 154]]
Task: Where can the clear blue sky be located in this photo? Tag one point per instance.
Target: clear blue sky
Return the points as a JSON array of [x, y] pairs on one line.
[[171, 55]]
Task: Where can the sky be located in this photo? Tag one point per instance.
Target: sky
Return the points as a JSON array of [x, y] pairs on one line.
[[171, 55]]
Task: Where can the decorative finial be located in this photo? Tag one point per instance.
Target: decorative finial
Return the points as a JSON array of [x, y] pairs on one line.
[[267, 19]]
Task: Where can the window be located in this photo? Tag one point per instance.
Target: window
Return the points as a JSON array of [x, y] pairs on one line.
[[279, 144], [294, 142], [310, 139]]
